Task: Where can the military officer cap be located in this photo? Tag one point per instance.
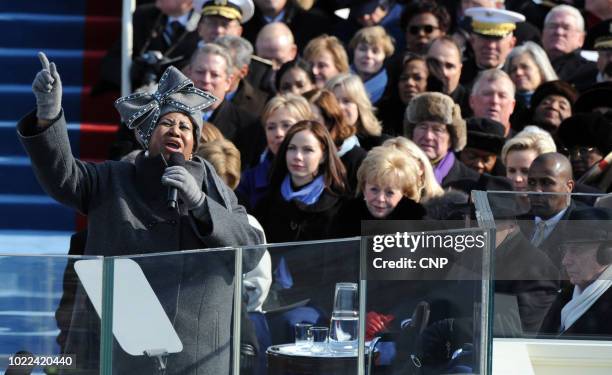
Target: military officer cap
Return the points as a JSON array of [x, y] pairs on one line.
[[493, 23], [239, 10], [603, 39]]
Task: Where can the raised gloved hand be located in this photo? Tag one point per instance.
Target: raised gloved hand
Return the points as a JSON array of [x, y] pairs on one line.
[[178, 177], [376, 323], [47, 88]]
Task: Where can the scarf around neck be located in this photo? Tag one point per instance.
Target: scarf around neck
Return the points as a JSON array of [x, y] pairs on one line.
[[376, 85], [444, 166], [582, 300], [308, 194]]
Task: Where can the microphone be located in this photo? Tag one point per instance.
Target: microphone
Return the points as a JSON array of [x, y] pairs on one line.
[[176, 158]]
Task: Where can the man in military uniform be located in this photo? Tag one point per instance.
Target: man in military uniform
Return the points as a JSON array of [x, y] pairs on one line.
[[491, 38], [227, 17]]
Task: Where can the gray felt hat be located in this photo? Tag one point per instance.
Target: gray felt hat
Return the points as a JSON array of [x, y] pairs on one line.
[[175, 93]]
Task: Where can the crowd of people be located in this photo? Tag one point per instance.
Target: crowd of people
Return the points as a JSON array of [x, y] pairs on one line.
[[397, 111]]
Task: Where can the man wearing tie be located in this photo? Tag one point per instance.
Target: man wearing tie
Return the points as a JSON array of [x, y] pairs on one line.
[[163, 28], [550, 173]]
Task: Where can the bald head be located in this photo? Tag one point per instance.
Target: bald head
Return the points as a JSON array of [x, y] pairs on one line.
[[275, 42], [550, 173], [556, 163]]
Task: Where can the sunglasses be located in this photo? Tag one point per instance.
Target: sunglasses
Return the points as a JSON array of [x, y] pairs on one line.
[[416, 29]]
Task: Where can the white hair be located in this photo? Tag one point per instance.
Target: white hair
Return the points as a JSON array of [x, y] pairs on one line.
[[493, 75], [569, 10], [240, 48], [539, 57]]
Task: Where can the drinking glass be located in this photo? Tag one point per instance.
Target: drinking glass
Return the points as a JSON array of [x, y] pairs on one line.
[[303, 337], [344, 325], [319, 339]]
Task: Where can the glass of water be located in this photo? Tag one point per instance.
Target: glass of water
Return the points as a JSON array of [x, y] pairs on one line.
[[303, 337], [344, 325], [319, 339]]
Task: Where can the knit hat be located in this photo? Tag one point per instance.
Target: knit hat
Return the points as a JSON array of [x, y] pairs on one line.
[[175, 93], [485, 134], [558, 87], [436, 107]]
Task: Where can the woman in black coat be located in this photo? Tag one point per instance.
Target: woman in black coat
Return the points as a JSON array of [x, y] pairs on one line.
[[305, 194], [389, 187], [306, 188]]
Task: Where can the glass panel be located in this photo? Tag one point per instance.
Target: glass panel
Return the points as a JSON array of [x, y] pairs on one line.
[[425, 292], [173, 311], [552, 282], [46, 319], [306, 278]]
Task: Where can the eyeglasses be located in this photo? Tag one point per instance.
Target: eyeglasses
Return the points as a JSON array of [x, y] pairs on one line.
[[582, 152], [563, 26], [416, 29], [436, 129]]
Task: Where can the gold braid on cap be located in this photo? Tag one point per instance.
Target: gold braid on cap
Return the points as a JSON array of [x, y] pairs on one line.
[[493, 29], [223, 11]]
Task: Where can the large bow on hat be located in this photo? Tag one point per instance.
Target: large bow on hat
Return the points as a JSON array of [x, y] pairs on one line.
[[175, 93]]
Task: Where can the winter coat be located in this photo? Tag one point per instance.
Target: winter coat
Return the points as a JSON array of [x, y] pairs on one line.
[[127, 214], [594, 324]]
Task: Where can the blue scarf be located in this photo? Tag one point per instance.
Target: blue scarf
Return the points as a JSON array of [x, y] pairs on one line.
[[376, 85], [308, 194]]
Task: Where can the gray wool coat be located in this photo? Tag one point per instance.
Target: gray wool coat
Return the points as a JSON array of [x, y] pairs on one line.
[[127, 214]]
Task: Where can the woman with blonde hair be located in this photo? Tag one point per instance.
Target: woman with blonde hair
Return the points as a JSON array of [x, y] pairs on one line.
[[429, 186], [210, 133], [357, 108], [328, 58], [279, 114], [371, 46], [389, 188], [225, 158], [520, 151]]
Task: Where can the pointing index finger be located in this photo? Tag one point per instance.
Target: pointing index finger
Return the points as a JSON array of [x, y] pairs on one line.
[[43, 60]]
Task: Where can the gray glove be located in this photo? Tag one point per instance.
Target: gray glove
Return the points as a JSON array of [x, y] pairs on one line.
[[177, 176], [47, 88]]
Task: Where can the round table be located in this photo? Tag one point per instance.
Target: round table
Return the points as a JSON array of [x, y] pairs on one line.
[[286, 359]]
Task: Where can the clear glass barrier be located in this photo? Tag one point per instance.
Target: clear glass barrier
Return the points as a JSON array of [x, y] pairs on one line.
[[304, 279], [45, 315], [426, 287], [173, 312], [552, 281]]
